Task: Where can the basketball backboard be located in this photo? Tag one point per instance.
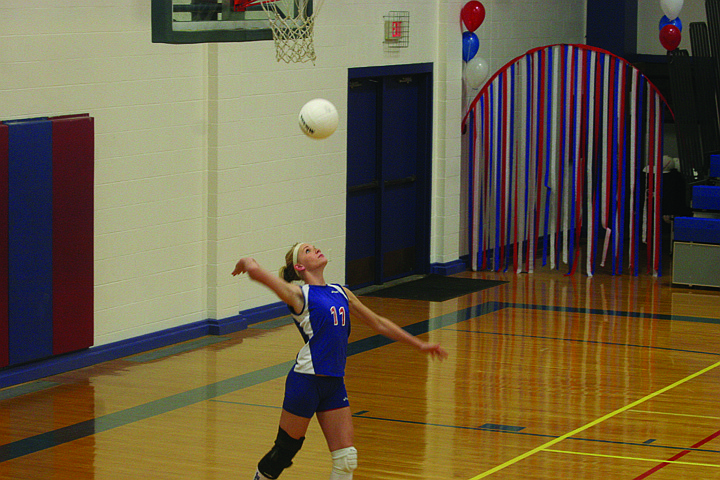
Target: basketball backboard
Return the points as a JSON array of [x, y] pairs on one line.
[[200, 21]]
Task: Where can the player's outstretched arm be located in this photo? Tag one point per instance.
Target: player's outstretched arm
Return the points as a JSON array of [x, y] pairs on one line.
[[391, 330], [289, 293]]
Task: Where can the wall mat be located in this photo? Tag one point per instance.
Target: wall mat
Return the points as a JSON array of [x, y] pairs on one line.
[[72, 227]]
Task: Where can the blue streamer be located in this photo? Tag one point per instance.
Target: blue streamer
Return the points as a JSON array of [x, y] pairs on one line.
[[639, 167], [614, 180], [498, 177], [571, 231], [471, 167], [528, 131], [659, 237], [512, 155], [623, 160], [481, 191], [599, 94], [490, 140], [563, 153], [549, 64]]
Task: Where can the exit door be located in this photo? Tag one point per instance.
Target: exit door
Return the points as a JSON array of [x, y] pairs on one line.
[[388, 199]]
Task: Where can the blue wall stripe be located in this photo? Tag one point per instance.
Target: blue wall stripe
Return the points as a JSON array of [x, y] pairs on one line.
[[3, 245], [30, 240]]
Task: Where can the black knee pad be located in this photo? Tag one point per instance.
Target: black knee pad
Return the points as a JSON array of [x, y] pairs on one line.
[[280, 456]]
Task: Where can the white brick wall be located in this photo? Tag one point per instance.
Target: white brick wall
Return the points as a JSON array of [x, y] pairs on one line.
[[198, 156]]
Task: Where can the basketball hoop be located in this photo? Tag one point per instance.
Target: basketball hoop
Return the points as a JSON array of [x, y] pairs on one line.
[[292, 23]]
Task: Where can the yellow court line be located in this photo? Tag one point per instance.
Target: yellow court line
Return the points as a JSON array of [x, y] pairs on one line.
[[634, 458], [676, 414], [593, 423]]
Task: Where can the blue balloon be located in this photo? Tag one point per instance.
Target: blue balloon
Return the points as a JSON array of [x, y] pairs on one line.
[[666, 21], [471, 45]]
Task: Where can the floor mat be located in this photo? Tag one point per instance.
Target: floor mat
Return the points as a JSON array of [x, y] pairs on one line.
[[434, 288]]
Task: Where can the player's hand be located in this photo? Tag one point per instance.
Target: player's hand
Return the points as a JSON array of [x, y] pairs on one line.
[[434, 350], [243, 265]]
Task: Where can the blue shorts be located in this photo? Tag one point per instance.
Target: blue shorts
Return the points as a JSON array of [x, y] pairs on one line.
[[307, 394]]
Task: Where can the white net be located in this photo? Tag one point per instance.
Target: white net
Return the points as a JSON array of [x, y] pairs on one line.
[[292, 23]]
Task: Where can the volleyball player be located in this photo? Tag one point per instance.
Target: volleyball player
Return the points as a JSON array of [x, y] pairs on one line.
[[315, 385]]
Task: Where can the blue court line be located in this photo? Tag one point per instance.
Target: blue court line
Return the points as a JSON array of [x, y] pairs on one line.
[[151, 409], [593, 342], [121, 418], [614, 313], [514, 431], [245, 403], [491, 427], [104, 423], [21, 390]]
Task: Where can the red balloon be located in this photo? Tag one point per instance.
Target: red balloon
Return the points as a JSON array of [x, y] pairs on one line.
[[473, 14], [670, 37]]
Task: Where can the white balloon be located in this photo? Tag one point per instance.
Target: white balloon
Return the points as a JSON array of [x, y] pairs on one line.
[[671, 8], [476, 71]]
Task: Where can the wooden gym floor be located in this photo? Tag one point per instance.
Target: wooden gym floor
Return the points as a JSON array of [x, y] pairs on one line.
[[549, 377]]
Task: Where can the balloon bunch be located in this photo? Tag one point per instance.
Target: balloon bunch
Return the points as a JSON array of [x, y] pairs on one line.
[[476, 67], [670, 24]]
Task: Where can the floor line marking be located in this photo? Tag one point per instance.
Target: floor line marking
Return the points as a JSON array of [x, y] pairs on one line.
[[613, 313], [594, 422], [590, 342], [633, 458], [52, 438], [676, 414], [674, 458], [215, 400], [647, 443]]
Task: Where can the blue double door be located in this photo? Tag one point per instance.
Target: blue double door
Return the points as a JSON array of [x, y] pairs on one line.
[[388, 183]]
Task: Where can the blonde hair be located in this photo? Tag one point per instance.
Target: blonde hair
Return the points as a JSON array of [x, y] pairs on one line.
[[287, 272]]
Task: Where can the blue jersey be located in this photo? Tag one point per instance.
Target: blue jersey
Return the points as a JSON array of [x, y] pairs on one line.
[[324, 324]]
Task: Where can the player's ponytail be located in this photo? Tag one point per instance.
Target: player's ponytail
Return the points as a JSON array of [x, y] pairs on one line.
[[287, 271]]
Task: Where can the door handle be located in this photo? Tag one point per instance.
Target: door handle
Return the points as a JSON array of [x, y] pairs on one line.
[[365, 186], [400, 181]]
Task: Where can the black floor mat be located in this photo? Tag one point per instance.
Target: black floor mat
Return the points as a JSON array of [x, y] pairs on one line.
[[435, 288]]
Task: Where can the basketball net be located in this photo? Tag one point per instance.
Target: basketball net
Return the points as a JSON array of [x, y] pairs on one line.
[[292, 26]]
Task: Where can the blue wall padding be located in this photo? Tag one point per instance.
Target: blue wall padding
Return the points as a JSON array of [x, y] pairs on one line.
[[3, 245], [30, 240], [696, 229], [706, 197], [715, 166]]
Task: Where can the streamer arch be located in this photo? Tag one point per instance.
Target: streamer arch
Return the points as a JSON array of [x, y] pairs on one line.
[[565, 139]]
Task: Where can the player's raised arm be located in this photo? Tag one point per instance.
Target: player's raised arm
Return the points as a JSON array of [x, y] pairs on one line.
[[391, 330], [287, 292]]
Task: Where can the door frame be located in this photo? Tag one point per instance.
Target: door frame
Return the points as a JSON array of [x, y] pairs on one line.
[[425, 139]]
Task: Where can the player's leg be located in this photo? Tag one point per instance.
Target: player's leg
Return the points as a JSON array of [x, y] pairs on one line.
[[290, 437], [337, 426], [298, 408], [339, 433]]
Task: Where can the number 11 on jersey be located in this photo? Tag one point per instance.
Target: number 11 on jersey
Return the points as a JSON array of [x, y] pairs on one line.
[[335, 312]]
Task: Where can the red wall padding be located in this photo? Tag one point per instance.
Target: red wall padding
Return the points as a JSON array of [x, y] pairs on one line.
[[72, 249]]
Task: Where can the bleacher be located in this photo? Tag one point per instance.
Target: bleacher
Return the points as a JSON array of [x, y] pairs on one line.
[[696, 247]]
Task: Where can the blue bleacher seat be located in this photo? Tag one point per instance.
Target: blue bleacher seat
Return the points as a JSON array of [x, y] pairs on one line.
[[715, 166], [698, 230], [706, 197]]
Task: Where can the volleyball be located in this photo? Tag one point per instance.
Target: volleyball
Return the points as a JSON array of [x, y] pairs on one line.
[[318, 118]]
